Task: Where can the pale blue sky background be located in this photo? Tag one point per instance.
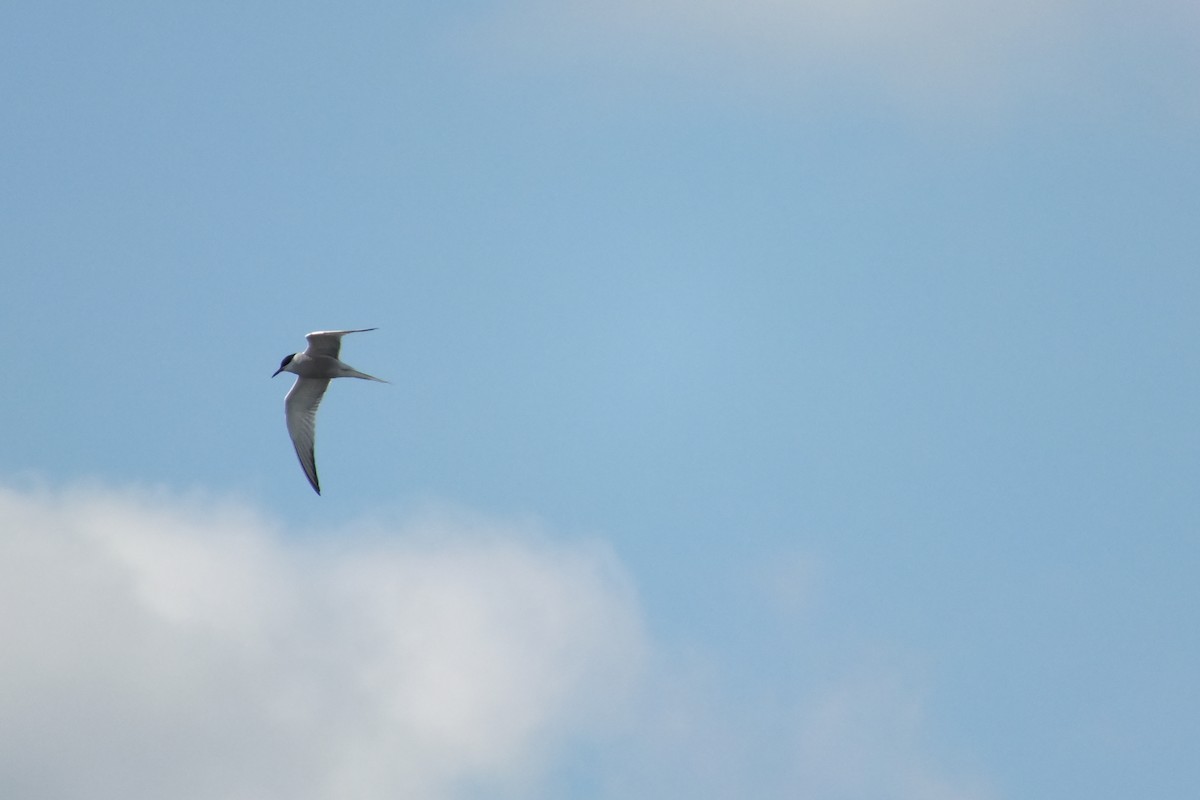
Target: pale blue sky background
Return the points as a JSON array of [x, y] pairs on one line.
[[868, 343]]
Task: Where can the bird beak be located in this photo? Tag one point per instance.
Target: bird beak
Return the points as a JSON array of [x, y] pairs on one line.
[[277, 372]]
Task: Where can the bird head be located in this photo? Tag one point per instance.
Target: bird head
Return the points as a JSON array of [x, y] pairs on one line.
[[283, 364]]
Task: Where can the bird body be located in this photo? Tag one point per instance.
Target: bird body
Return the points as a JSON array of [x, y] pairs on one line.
[[314, 369]]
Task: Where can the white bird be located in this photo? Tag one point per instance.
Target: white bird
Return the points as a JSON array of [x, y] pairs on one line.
[[314, 368]]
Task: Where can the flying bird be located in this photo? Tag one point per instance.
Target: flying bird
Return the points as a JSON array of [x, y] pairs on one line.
[[314, 368]]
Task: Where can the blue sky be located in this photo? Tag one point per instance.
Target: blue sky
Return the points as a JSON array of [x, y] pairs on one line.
[[789, 399]]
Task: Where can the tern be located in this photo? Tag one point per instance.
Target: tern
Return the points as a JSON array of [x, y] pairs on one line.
[[314, 369]]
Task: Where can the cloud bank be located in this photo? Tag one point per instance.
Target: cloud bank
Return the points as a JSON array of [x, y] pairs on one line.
[[155, 647], [158, 645]]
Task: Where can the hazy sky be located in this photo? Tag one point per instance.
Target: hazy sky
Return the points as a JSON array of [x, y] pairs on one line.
[[789, 400]]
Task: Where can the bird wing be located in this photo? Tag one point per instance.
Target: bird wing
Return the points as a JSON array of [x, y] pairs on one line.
[[328, 343], [300, 407]]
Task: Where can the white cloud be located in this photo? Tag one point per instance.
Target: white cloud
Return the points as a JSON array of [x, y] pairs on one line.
[[860, 734], [154, 647], [920, 50], [866, 736]]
